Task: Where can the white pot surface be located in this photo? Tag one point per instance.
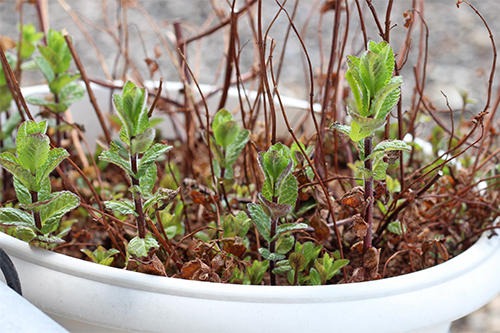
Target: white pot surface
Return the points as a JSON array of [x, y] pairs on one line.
[[79, 293], [83, 112]]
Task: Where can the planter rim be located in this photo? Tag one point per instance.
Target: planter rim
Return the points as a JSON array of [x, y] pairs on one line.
[[174, 85], [475, 256]]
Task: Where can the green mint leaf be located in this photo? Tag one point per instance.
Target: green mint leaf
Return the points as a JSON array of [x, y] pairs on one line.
[[27, 128], [285, 244], [363, 127], [256, 271], [359, 90], [112, 155], [282, 266], [56, 52], [134, 114], [148, 179], [267, 191], [163, 196], [32, 145], [45, 68], [10, 124], [52, 211], [226, 133], [123, 207], [315, 277], [70, 94], [45, 191], [335, 267], [15, 217], [54, 158], [22, 193], [387, 98], [225, 129], [388, 145], [270, 256], [141, 142], [140, 247], [150, 156], [13, 165], [297, 261], [48, 239], [379, 168], [60, 81], [261, 220], [234, 149], [395, 228], [288, 191], [287, 227], [25, 233], [309, 250], [272, 209], [5, 103]]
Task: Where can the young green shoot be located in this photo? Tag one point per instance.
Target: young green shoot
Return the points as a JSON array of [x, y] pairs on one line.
[[376, 92], [276, 201], [54, 63], [227, 142], [140, 166], [41, 209]]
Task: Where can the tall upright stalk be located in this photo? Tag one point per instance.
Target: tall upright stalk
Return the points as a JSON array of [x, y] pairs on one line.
[[367, 242]]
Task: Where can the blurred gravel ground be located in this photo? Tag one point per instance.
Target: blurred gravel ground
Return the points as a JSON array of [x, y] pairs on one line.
[[460, 56]]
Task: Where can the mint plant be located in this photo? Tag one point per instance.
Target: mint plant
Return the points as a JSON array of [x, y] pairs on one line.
[[100, 255], [376, 92], [227, 142], [41, 210], [276, 201], [253, 274], [54, 63], [30, 38], [139, 166], [28, 46]]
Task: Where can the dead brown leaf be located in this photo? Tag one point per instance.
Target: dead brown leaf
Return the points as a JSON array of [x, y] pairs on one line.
[[318, 222], [353, 198], [234, 246], [360, 226], [371, 261]]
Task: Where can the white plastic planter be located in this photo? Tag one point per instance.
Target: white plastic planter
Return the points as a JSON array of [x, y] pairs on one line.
[[83, 112], [84, 297]]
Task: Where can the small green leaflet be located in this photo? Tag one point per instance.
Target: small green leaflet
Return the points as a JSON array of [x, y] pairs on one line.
[[140, 247]]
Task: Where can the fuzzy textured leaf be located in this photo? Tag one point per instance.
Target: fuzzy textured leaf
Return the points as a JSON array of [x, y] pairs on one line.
[[34, 151], [261, 220], [288, 191], [45, 68], [272, 209], [112, 155], [52, 211], [122, 207], [54, 158], [388, 145], [150, 157], [141, 142], [140, 247], [148, 180], [60, 81], [15, 217], [12, 164], [284, 228], [234, 149], [285, 244], [270, 256], [387, 98]]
